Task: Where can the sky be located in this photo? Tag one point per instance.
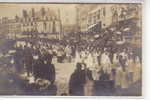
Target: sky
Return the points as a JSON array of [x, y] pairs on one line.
[[68, 11]]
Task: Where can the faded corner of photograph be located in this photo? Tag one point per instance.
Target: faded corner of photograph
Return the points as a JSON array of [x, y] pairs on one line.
[[70, 49]]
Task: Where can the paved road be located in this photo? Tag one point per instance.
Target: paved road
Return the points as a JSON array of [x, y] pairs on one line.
[[63, 73]]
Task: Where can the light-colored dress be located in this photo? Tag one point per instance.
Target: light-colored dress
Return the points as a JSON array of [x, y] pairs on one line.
[[130, 70], [77, 58], [118, 78], [124, 80], [89, 62], [137, 70], [96, 68], [106, 63]]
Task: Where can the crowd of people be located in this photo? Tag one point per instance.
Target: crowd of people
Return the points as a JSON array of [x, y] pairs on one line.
[[122, 66], [101, 60]]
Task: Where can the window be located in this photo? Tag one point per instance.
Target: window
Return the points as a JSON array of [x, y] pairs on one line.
[[89, 19], [45, 25], [98, 14], [104, 11]]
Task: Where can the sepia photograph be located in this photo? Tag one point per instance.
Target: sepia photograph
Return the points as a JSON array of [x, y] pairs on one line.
[[71, 49]]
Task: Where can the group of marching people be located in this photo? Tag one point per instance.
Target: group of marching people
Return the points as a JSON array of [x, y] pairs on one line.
[[32, 57], [123, 66], [34, 61]]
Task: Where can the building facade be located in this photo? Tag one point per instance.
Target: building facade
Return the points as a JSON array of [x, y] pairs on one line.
[[101, 17], [125, 19], [44, 21], [4, 25]]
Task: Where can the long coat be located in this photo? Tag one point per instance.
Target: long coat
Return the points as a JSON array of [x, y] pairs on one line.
[[49, 72], [44, 71], [76, 83]]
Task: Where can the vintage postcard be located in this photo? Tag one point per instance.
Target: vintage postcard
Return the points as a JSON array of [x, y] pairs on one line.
[[71, 49]]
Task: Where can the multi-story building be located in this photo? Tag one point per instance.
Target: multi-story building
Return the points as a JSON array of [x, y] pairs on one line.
[[14, 27], [4, 24], [44, 21], [102, 16], [125, 18], [32, 23], [95, 17]]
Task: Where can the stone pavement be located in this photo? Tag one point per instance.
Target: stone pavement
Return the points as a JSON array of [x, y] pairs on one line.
[[63, 73]]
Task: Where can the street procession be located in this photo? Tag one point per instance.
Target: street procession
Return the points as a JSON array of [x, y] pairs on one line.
[[47, 50]]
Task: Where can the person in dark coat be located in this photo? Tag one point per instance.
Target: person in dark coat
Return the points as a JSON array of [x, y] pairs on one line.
[[49, 72], [45, 69], [28, 60], [18, 63], [38, 68], [49, 69], [89, 74], [77, 81], [103, 76], [122, 62]]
